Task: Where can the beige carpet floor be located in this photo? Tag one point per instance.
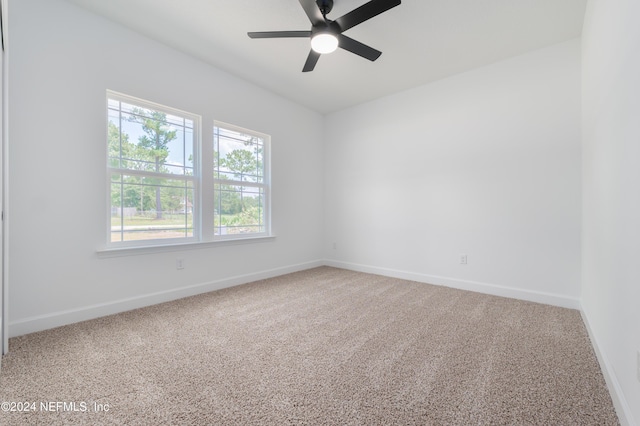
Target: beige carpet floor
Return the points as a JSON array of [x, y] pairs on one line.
[[324, 346]]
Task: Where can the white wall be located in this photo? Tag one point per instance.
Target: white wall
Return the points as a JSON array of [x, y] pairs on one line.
[[611, 198], [62, 61], [485, 163]]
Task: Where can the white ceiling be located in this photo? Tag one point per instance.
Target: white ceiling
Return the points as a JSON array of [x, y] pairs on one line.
[[421, 40]]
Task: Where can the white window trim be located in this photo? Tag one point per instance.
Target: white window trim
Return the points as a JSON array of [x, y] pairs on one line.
[[203, 235], [196, 179], [265, 185], [182, 246]]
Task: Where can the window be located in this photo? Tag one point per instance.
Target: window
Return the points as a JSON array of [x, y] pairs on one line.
[[154, 177], [151, 171], [241, 189]]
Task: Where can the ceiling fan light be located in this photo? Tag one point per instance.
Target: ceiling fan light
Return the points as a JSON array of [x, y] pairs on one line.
[[324, 43]]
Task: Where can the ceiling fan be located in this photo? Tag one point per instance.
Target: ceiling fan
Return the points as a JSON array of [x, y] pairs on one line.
[[326, 34]]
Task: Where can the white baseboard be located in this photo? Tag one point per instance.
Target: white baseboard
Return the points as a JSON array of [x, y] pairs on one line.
[[479, 287], [619, 402], [57, 319]]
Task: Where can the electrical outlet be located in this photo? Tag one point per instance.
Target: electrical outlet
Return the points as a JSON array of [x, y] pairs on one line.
[[463, 259], [179, 264], [638, 372], [334, 246]]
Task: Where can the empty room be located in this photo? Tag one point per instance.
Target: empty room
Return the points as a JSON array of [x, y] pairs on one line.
[[362, 212]]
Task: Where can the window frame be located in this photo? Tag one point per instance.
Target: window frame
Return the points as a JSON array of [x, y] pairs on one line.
[[265, 185], [203, 186], [196, 179]]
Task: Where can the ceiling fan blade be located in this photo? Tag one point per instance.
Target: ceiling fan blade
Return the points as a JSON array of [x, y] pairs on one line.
[[358, 48], [312, 60], [278, 34], [313, 11], [364, 12]]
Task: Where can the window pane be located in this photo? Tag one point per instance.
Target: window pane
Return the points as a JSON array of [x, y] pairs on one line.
[[113, 104], [147, 140], [150, 208], [152, 170], [174, 119], [238, 209], [238, 156]]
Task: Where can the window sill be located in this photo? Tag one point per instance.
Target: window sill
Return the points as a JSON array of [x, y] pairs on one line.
[[139, 250]]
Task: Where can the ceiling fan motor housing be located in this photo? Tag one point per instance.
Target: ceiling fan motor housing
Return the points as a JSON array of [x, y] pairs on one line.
[[325, 6]]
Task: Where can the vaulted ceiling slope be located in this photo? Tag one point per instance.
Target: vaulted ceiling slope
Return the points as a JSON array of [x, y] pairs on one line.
[[421, 40]]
